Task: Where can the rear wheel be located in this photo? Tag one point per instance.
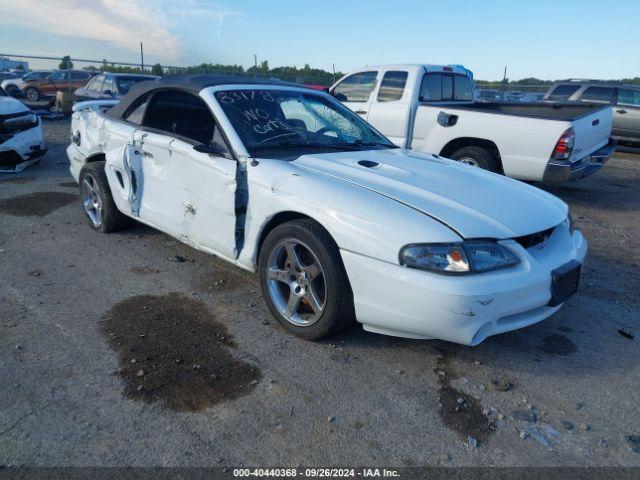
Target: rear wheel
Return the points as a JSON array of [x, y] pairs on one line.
[[477, 157], [304, 282], [13, 90], [32, 94], [97, 202]]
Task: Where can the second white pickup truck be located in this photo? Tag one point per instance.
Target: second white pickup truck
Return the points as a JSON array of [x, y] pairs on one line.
[[429, 108]]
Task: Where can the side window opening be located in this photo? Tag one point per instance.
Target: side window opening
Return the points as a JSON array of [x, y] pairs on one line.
[[181, 114], [392, 86], [598, 94], [629, 97], [563, 92], [437, 87], [356, 88], [135, 113]]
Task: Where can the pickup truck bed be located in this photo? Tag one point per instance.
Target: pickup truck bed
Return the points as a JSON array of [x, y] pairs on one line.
[[547, 111]]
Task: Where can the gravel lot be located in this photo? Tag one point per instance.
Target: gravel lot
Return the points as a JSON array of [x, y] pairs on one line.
[[88, 380]]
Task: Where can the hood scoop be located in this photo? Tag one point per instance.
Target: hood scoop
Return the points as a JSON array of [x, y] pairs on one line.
[[368, 163]]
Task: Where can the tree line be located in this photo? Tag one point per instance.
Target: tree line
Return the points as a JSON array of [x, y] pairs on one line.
[[306, 75]]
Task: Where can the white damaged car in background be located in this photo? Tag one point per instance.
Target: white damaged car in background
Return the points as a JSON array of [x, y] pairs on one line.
[[338, 222], [21, 139]]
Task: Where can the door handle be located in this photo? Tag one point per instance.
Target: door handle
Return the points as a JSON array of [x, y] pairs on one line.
[[189, 208], [621, 111], [361, 112]]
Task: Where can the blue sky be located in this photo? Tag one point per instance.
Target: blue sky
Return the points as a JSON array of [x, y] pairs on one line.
[[545, 39]]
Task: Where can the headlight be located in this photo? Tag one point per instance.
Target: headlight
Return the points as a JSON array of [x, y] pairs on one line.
[[470, 256]]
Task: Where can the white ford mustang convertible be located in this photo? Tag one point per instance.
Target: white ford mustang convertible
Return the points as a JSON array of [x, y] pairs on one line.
[[339, 223]]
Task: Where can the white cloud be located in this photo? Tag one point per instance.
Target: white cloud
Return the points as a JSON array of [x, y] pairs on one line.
[[123, 23]]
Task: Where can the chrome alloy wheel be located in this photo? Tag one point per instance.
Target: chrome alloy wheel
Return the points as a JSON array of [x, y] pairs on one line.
[[296, 282], [91, 200], [469, 161]]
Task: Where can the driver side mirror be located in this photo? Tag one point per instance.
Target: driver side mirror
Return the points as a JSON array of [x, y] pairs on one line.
[[108, 92], [214, 149]]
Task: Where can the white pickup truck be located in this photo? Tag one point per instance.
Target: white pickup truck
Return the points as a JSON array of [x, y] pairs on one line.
[[430, 108]]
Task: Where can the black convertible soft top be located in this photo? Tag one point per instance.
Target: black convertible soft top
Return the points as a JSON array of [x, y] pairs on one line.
[[190, 83]]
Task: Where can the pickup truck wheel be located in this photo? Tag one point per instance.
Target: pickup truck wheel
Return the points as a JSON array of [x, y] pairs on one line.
[[477, 157], [97, 202], [304, 282], [32, 94]]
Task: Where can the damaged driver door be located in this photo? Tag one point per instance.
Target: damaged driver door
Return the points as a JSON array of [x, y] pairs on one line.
[[187, 176]]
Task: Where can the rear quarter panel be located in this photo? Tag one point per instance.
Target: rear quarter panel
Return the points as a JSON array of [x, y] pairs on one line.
[[525, 144]]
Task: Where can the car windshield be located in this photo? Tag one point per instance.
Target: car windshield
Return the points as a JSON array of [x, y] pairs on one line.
[[289, 123], [125, 83]]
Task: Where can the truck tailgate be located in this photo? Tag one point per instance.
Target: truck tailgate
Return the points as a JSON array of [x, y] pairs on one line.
[[592, 132]]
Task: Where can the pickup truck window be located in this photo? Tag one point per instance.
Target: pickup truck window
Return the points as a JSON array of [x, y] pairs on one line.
[[288, 123], [182, 114], [563, 92], [598, 94], [437, 87], [356, 88], [392, 86], [629, 97]]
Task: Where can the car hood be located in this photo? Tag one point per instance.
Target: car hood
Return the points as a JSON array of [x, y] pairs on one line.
[[471, 201], [10, 105]]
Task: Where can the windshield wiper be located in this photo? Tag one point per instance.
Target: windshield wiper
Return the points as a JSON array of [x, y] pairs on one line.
[[360, 143]]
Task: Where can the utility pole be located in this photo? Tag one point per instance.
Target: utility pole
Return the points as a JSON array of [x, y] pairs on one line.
[[141, 59], [255, 63], [504, 82]]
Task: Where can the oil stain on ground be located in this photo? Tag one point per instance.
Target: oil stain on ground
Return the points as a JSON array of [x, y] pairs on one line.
[[557, 345], [172, 350], [38, 204], [459, 411]]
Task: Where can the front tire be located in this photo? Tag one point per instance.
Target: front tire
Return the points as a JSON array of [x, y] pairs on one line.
[[477, 157], [304, 282], [32, 94], [97, 202]]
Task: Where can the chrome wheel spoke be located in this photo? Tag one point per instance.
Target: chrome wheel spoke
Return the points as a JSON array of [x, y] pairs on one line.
[[292, 305], [312, 271], [280, 275], [313, 301], [292, 257]]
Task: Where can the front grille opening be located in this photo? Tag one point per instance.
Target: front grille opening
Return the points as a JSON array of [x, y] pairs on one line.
[[528, 241]]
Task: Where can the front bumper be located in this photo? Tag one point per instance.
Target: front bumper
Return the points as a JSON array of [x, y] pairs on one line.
[[394, 300], [21, 149], [558, 171]]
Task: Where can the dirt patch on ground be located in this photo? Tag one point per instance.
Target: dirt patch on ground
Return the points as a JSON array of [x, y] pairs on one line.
[[143, 270], [172, 350], [68, 184], [16, 180], [557, 345], [38, 204], [459, 411]]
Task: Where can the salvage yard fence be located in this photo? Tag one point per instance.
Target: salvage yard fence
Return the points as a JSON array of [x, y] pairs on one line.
[[290, 74]]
